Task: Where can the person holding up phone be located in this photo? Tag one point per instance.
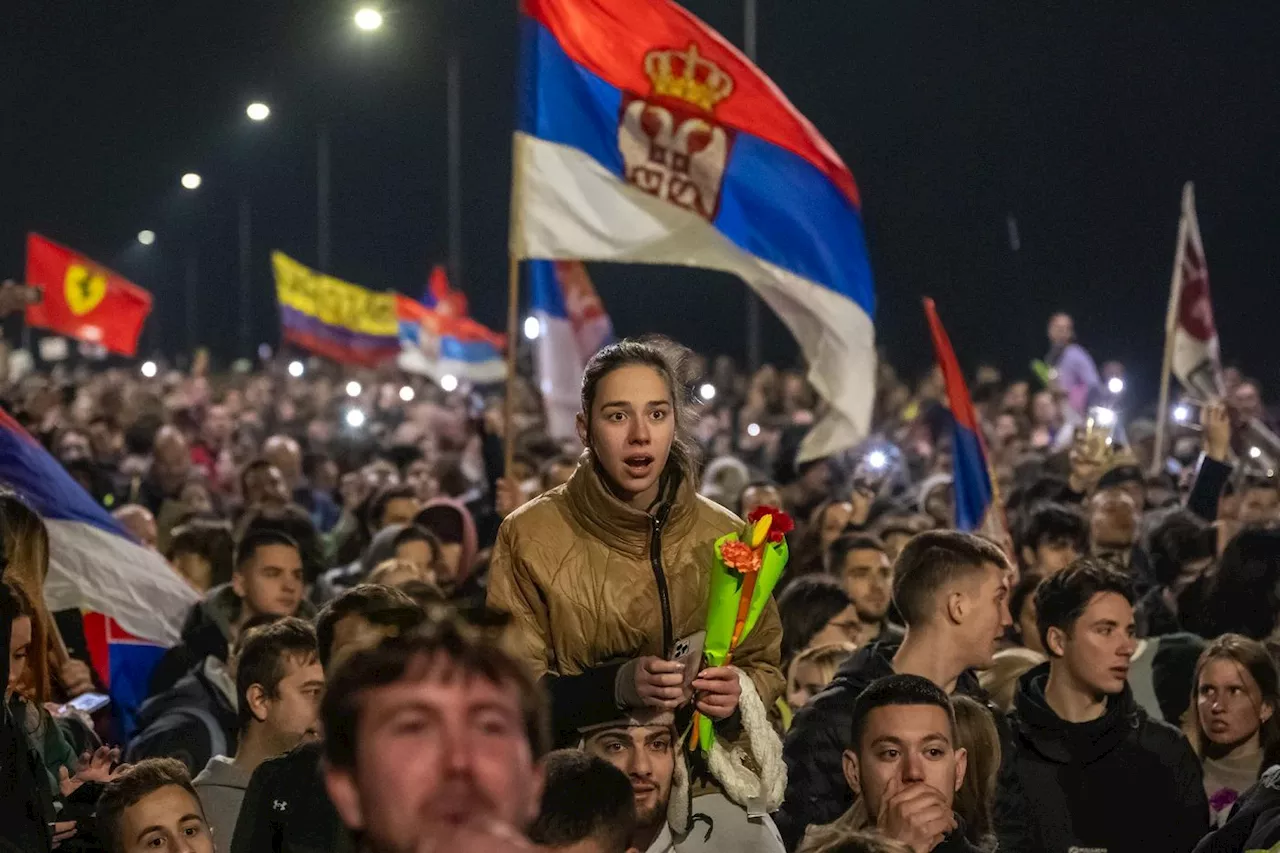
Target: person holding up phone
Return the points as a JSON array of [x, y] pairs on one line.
[[606, 574]]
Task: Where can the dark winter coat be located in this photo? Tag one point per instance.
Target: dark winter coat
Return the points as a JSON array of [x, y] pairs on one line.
[[817, 792], [1255, 820], [287, 810], [192, 722], [1123, 783]]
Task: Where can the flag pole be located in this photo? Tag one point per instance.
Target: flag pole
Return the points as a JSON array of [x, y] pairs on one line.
[[1170, 328], [514, 253]]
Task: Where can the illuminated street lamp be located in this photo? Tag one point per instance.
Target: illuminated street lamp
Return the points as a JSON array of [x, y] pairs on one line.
[[368, 19], [257, 111], [146, 237], [191, 181]]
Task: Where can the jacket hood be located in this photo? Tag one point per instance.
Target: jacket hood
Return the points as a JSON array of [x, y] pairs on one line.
[[220, 608], [222, 771], [462, 530], [619, 526], [1070, 743], [872, 661], [383, 547], [193, 689]]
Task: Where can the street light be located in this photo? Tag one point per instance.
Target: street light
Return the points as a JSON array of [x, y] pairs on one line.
[[257, 111], [191, 181], [355, 418], [146, 237], [368, 19]]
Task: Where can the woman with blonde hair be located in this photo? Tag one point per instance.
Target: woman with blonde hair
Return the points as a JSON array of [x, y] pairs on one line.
[[976, 732], [1233, 725]]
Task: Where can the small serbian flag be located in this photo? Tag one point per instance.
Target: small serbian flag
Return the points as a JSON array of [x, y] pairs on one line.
[[572, 327], [645, 137], [134, 603], [439, 342], [84, 300], [969, 455]]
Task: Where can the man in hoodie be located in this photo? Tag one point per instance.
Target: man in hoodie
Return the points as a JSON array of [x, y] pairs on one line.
[[267, 580], [1089, 770], [951, 589], [278, 684]]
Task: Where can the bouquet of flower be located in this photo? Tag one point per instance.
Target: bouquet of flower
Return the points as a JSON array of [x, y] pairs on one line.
[[746, 569]]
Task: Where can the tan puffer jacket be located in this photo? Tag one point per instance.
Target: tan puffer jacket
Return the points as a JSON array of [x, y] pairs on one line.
[[592, 583]]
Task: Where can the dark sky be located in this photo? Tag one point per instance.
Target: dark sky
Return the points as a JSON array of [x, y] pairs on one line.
[[1081, 120]]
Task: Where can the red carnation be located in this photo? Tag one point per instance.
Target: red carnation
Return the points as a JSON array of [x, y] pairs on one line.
[[781, 524]]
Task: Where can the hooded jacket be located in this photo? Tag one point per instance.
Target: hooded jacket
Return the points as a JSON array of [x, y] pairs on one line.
[[192, 721], [334, 582], [221, 786], [205, 633], [593, 584], [1123, 783], [817, 792]]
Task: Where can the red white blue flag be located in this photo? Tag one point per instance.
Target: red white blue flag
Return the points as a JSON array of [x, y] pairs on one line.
[[133, 601], [645, 137]]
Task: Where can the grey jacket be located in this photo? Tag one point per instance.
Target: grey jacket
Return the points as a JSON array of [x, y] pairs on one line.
[[221, 788]]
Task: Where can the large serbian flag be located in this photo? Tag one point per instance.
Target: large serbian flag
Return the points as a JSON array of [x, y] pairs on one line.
[[969, 456], [645, 137], [84, 300], [572, 327], [339, 320], [134, 603]]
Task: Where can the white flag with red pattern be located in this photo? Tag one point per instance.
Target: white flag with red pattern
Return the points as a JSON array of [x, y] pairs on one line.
[[1195, 358]]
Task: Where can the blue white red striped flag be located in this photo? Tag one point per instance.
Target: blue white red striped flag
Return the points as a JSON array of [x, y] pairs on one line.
[[96, 567], [645, 137]]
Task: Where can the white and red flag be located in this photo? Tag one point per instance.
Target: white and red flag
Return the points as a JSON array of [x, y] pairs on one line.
[[1193, 336]]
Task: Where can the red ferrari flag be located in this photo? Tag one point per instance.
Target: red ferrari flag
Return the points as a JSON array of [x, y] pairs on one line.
[[84, 300]]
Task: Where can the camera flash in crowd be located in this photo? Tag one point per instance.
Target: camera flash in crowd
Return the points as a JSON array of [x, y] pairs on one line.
[[149, 369], [1255, 452], [355, 418], [1115, 385], [877, 459], [449, 382], [1104, 417], [406, 393], [532, 328], [354, 389], [707, 391], [296, 369], [753, 430], [1181, 413]]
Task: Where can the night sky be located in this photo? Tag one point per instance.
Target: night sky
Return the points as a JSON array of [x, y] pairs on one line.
[[1080, 120]]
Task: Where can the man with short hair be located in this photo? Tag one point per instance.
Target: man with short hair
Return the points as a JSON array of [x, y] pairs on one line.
[[1089, 769], [862, 564], [904, 763], [267, 580], [285, 454], [587, 806], [757, 494], [1052, 536], [263, 485], [285, 807], [437, 733], [1113, 525], [152, 806], [951, 589], [1259, 501], [278, 684], [646, 748]]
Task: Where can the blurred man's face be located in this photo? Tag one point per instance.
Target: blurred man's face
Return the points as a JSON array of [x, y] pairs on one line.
[[868, 578], [140, 522], [285, 454], [757, 496], [270, 582], [647, 755], [168, 820], [1051, 555], [265, 486], [291, 715], [1247, 400], [399, 511], [1260, 506], [902, 746], [73, 447], [172, 460], [1061, 330], [216, 429], [1097, 650], [438, 754], [1113, 522]]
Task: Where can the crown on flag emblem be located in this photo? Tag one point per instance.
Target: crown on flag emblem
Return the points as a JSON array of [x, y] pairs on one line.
[[687, 76]]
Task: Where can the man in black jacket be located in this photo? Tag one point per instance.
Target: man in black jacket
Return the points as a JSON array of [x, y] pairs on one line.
[[951, 589], [1255, 820], [1089, 770]]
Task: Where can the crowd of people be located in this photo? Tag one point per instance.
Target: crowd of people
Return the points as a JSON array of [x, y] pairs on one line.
[[402, 644]]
